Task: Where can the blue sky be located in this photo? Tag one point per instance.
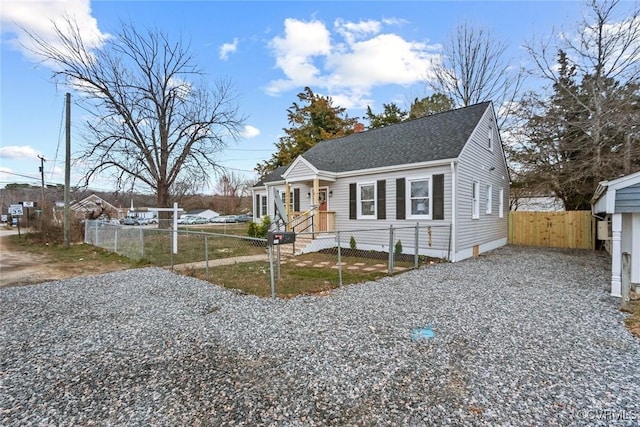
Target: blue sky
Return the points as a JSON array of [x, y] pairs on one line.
[[359, 53]]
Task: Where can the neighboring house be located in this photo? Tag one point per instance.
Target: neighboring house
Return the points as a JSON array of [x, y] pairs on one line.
[[536, 202], [618, 202], [204, 213], [446, 170], [91, 207]]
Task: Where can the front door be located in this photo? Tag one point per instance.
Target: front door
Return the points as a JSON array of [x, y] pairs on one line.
[[322, 210]]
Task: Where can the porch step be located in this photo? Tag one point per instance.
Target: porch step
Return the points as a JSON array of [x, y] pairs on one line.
[[300, 244]]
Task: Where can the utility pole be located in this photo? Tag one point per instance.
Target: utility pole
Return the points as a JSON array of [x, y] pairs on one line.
[[42, 160], [67, 175]]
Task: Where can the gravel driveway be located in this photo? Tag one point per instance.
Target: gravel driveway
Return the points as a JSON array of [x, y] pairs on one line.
[[522, 337]]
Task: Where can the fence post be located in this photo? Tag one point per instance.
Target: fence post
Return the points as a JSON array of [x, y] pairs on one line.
[[390, 250], [339, 259], [142, 242], [625, 303], [279, 262], [417, 242], [206, 255], [273, 281], [95, 227], [115, 239]]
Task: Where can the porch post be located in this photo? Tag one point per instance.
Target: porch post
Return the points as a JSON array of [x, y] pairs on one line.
[[287, 204], [616, 255], [316, 192], [635, 248]]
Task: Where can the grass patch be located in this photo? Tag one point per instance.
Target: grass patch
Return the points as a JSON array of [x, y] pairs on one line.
[[77, 256], [254, 278]]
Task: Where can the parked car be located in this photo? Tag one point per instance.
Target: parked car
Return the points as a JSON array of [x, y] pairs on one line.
[[184, 219], [153, 220], [243, 218], [197, 220], [143, 221], [130, 221]]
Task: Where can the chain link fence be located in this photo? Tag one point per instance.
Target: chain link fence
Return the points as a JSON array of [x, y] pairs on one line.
[[156, 245], [347, 256]]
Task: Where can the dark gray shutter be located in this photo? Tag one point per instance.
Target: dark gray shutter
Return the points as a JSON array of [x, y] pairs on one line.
[[382, 199], [353, 201], [257, 206], [296, 199], [400, 199], [438, 196]]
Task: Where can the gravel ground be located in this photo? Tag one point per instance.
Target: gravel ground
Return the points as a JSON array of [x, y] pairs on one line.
[[522, 337]]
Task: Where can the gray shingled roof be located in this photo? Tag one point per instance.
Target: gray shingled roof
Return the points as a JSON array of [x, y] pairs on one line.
[[436, 137], [276, 175]]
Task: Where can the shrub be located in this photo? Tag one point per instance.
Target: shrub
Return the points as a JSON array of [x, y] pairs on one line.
[[398, 248], [261, 230], [352, 243]]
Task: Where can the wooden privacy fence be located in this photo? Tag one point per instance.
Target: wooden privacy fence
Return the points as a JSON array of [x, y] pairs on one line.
[[570, 229]]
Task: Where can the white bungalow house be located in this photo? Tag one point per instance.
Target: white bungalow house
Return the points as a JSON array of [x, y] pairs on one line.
[[447, 170], [618, 203]]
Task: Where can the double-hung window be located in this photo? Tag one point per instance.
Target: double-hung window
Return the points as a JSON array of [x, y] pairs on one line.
[[475, 200], [367, 200], [263, 206], [501, 203], [489, 199], [419, 197]]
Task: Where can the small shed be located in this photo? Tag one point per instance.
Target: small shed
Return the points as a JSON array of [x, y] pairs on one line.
[[617, 204]]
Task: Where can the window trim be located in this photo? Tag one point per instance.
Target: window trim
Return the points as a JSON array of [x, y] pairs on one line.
[[475, 200], [489, 199], [501, 203], [292, 198], [359, 186], [408, 198]]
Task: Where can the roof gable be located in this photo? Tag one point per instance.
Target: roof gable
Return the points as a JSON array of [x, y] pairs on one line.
[[430, 138]]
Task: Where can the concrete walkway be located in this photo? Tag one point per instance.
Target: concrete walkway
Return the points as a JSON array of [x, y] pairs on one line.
[[221, 261]]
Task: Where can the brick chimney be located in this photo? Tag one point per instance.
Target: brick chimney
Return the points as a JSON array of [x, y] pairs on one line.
[[358, 127]]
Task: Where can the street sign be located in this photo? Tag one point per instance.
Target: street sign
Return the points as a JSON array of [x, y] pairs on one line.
[[27, 204], [3, 218], [15, 210]]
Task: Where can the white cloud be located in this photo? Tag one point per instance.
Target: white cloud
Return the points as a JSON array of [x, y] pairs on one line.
[[228, 48], [18, 152], [295, 51], [348, 62], [250, 131], [37, 18]]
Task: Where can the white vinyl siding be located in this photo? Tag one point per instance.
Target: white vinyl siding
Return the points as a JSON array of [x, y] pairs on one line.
[[501, 203], [488, 201], [490, 138], [477, 163], [367, 200], [419, 198], [475, 200]]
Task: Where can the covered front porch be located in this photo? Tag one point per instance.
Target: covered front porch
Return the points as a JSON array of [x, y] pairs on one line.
[[318, 217]]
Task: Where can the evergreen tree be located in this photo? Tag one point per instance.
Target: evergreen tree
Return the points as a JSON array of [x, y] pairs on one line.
[[390, 115], [312, 120], [436, 103]]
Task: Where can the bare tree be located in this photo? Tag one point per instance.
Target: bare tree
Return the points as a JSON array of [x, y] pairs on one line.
[[586, 129], [153, 119], [473, 68]]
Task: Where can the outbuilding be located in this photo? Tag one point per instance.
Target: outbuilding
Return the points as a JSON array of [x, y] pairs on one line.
[[618, 203]]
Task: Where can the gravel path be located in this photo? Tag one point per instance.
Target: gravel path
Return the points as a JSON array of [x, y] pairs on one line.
[[523, 337]]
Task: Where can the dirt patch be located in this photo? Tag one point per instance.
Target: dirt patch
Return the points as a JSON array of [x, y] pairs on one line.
[[18, 267]]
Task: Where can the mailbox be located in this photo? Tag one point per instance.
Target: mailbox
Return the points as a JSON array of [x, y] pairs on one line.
[[280, 237]]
